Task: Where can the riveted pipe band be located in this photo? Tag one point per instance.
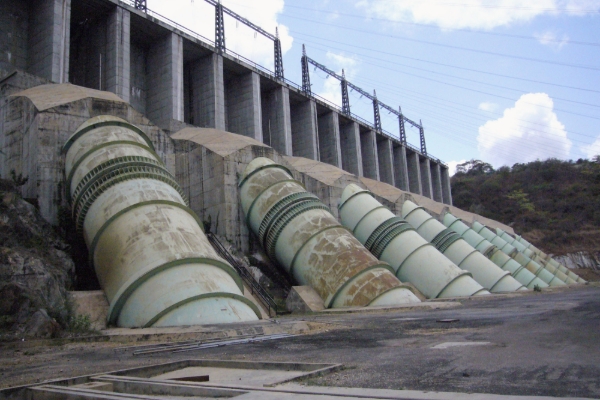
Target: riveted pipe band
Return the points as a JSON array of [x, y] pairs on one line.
[[292, 212], [118, 176], [281, 207], [385, 233], [122, 124], [445, 239]]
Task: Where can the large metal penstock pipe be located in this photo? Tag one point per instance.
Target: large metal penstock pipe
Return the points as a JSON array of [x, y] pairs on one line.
[[151, 256], [461, 253], [529, 253], [298, 231], [544, 258], [521, 258], [393, 240], [519, 272]]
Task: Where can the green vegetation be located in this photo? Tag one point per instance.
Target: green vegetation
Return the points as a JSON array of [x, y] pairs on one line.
[[552, 203]]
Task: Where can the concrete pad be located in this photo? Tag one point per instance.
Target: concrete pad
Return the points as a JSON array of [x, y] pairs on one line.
[[304, 299], [252, 377], [92, 303], [447, 345], [49, 96]]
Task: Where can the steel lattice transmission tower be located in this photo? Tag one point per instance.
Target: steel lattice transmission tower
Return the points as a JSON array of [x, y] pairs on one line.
[[140, 5]]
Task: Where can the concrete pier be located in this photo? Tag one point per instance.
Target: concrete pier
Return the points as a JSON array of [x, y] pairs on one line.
[[385, 157], [206, 92], [276, 120], [368, 144], [329, 139], [426, 185], [304, 129], [242, 105], [118, 52], [414, 172], [400, 167], [351, 149], [436, 181], [446, 191]]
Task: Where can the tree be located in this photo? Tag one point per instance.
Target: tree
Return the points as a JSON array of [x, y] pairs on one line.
[[474, 167]]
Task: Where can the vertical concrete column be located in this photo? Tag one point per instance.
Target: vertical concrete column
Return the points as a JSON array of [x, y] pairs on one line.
[[49, 40], [426, 177], [165, 80], [118, 65], [368, 144], [243, 109], [351, 152], [436, 181], [385, 156], [329, 139], [207, 92], [276, 119], [446, 189], [414, 173], [304, 130], [400, 168]]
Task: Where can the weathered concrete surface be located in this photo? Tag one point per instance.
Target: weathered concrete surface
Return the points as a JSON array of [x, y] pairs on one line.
[[303, 299], [90, 303]]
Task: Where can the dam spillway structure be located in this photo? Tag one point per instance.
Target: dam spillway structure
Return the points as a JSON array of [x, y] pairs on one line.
[[450, 244], [393, 240], [541, 257], [150, 254], [485, 247], [298, 232], [544, 274]]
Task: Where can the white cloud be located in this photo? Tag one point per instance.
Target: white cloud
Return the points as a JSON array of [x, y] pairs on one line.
[[487, 106], [528, 131], [331, 88], [475, 14], [592, 150], [199, 17], [550, 39], [452, 166]]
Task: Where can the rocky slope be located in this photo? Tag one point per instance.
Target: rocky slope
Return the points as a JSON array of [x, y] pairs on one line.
[[35, 271]]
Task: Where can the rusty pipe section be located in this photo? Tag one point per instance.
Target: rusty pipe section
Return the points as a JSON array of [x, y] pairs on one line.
[[531, 254], [519, 272], [541, 257], [392, 239], [521, 258], [298, 232], [461, 253], [150, 254]]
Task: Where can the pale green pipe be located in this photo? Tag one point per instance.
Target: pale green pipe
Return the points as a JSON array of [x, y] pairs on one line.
[[531, 254], [299, 233], [519, 272], [393, 240], [549, 260], [461, 253], [525, 261], [150, 254]]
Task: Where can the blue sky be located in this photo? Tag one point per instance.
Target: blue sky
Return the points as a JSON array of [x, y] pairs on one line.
[[503, 81]]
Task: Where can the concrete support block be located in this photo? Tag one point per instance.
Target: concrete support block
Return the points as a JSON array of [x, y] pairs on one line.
[[304, 130], [368, 145], [436, 181], [400, 168], [207, 93], [165, 81], [242, 106], [446, 189], [49, 39], [414, 173], [329, 139], [118, 65], [304, 299], [426, 177], [351, 151], [276, 120], [385, 156]]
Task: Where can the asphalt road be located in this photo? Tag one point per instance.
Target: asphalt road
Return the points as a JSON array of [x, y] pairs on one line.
[[537, 344]]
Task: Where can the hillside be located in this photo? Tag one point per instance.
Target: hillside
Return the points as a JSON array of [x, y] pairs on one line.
[[554, 204]]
